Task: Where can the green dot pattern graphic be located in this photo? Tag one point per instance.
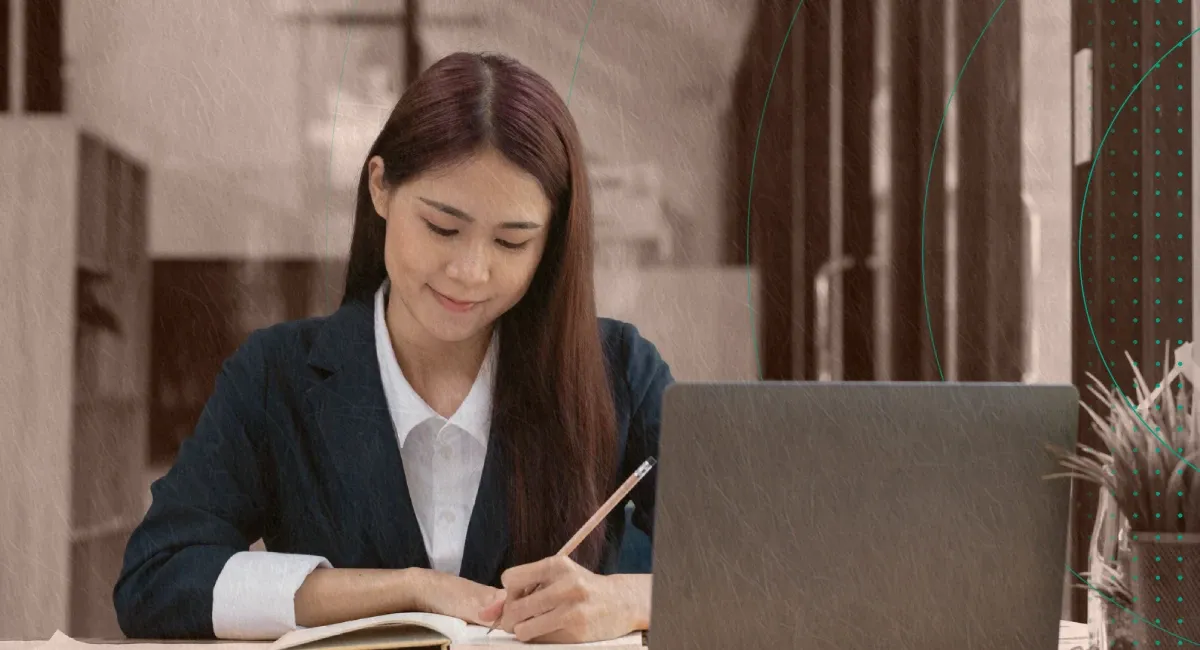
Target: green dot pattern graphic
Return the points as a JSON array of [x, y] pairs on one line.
[[1146, 106]]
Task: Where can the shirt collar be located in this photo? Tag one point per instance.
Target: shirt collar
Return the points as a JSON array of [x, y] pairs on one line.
[[408, 409]]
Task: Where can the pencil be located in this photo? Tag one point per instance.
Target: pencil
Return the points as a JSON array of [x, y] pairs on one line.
[[603, 511]]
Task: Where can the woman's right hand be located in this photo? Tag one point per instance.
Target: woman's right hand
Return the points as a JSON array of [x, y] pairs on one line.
[[450, 595]]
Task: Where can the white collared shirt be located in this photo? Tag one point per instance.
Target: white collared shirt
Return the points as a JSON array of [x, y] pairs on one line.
[[254, 596], [443, 459]]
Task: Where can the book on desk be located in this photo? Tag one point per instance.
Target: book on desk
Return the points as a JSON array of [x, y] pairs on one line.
[[415, 630], [1072, 636], [403, 631]]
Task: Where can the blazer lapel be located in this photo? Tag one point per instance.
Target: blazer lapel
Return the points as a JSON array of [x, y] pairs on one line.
[[351, 410], [487, 533]]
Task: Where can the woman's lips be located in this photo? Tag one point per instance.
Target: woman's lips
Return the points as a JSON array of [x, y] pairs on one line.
[[457, 306]]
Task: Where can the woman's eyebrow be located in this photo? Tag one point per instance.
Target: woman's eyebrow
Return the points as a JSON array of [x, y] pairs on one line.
[[459, 214]]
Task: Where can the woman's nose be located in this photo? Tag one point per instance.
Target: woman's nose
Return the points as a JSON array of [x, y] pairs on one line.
[[470, 266]]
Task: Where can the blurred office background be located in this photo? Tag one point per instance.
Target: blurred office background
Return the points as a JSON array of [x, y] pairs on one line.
[[175, 174]]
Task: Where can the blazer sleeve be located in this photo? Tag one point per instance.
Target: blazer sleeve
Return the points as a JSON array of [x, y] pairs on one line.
[[647, 376], [208, 507]]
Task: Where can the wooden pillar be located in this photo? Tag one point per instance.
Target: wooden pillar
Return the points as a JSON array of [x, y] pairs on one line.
[[1166, 219], [918, 99], [6, 10], [791, 209], [43, 43], [1006, 210], [989, 233], [971, 276], [1086, 240], [858, 319], [771, 206], [934, 93], [413, 56], [811, 181], [756, 133]]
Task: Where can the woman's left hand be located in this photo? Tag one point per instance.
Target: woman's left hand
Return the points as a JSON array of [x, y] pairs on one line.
[[557, 601]]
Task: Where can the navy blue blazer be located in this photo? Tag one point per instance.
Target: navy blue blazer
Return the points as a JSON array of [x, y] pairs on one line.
[[296, 447]]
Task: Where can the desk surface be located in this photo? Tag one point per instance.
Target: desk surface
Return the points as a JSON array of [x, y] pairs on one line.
[[1071, 636]]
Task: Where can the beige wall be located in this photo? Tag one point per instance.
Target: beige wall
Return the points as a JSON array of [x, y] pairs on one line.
[[209, 95], [1047, 164], [699, 319], [205, 94], [37, 281]]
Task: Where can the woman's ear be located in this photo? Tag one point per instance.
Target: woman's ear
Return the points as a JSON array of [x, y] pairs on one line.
[[379, 192]]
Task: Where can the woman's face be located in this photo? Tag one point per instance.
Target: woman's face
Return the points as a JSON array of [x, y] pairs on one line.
[[462, 243]]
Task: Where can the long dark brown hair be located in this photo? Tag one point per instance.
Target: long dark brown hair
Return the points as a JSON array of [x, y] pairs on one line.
[[553, 415]]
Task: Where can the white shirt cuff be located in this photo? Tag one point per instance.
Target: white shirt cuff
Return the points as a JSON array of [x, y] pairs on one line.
[[254, 597]]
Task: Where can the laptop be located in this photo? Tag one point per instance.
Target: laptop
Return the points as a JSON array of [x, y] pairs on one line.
[[831, 516]]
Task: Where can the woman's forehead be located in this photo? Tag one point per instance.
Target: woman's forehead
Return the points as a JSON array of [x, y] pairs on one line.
[[484, 188]]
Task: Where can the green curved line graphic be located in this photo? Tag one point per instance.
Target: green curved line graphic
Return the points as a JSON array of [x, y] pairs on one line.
[[1140, 618], [929, 178], [1079, 251], [750, 191], [579, 54]]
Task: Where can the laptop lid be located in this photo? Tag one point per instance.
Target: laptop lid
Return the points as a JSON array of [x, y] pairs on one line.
[[860, 515]]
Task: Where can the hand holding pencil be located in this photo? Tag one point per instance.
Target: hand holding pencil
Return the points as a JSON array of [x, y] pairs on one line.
[[556, 600]]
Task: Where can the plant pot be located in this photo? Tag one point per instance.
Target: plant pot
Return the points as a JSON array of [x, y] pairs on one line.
[[1165, 585]]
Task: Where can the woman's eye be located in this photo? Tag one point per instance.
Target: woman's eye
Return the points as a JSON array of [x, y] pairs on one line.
[[447, 232], [511, 245], [440, 231]]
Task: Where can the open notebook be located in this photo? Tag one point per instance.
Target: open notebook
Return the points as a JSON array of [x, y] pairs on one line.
[[418, 631]]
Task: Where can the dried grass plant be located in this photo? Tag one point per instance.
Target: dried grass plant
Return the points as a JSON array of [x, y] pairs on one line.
[[1150, 480], [1146, 485]]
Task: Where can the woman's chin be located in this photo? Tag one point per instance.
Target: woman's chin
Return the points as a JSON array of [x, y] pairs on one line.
[[454, 328]]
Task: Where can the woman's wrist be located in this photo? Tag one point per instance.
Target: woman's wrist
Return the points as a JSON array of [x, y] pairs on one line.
[[634, 590], [330, 596], [412, 589]]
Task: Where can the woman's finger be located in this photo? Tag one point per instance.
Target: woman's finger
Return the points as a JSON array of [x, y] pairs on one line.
[[525, 577], [493, 611], [537, 603], [564, 623]]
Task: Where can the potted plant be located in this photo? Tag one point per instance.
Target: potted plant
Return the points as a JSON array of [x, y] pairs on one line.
[[1150, 502]]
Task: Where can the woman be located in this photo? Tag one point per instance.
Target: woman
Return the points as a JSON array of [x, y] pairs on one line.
[[429, 445]]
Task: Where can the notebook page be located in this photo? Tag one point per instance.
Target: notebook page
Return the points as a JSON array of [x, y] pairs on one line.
[[478, 637], [451, 628]]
